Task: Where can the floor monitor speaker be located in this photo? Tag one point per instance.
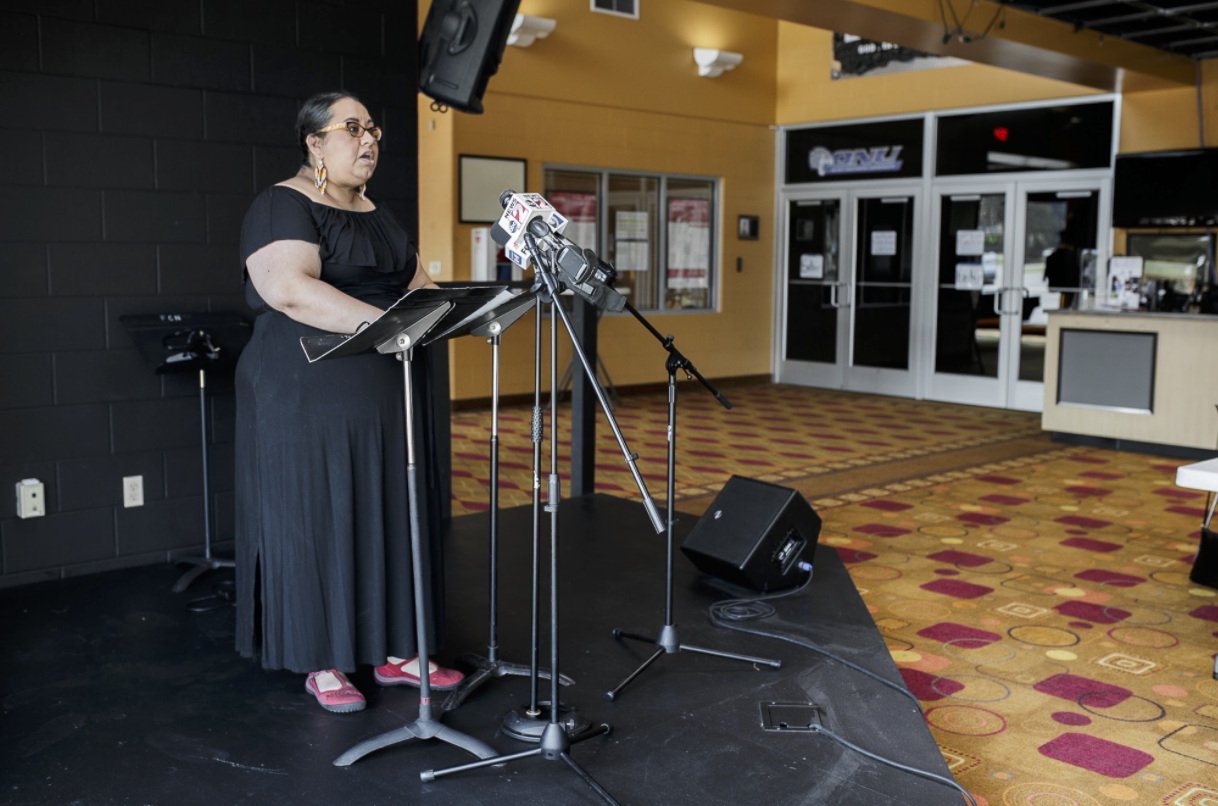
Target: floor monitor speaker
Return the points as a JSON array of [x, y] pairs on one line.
[[754, 535]]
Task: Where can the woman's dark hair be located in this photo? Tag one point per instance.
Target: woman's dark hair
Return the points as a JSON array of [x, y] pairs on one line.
[[315, 114]]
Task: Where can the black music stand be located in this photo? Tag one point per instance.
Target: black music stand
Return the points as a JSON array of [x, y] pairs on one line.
[[192, 342], [398, 331]]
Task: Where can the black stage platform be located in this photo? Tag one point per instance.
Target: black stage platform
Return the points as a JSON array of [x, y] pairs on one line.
[[112, 694]]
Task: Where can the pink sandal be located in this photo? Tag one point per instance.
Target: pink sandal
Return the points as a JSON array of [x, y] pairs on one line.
[[343, 700], [399, 672]]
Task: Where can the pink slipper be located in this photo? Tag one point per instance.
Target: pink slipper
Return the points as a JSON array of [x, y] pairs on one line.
[[344, 699], [399, 672]]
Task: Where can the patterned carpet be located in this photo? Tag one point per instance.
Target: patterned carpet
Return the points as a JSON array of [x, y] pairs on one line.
[[1035, 597]]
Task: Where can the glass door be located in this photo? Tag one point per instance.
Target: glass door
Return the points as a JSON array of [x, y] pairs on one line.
[[814, 340], [881, 300], [972, 256], [1058, 258]]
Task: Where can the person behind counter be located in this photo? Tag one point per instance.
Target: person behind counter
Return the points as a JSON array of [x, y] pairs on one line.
[[324, 566]]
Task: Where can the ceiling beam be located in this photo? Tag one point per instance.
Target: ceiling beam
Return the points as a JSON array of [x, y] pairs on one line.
[[1028, 43]]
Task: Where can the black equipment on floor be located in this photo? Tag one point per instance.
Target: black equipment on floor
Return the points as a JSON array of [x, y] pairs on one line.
[[192, 342], [668, 641], [754, 535]]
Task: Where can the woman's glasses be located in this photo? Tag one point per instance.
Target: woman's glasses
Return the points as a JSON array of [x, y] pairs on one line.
[[354, 129]]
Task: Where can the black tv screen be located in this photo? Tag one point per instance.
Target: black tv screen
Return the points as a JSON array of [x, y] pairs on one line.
[[1166, 189]]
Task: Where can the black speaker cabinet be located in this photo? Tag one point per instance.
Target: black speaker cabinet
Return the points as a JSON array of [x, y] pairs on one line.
[[754, 535], [460, 49]]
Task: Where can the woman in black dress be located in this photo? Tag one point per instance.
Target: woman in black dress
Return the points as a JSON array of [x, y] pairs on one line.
[[324, 567]]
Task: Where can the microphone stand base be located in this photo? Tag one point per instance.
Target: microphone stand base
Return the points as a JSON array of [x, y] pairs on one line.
[[523, 727], [485, 670]]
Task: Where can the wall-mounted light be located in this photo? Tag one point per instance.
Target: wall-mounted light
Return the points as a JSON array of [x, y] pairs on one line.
[[526, 30], [712, 63]]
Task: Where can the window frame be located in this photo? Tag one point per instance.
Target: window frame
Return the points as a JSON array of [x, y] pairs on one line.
[[714, 304]]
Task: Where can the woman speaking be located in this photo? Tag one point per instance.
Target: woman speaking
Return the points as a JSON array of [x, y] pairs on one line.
[[324, 567]]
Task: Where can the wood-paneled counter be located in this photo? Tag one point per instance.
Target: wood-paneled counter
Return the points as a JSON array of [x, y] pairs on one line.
[[1141, 377]]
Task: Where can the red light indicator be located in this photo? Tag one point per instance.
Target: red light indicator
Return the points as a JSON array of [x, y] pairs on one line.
[[1001, 134]]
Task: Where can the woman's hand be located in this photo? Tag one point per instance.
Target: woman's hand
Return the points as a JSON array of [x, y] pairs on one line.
[[286, 274]]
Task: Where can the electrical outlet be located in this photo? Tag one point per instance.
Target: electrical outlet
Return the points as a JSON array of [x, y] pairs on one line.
[[133, 491], [433, 268], [31, 499]]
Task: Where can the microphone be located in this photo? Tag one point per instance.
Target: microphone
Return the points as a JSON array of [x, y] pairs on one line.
[[579, 269], [519, 211]]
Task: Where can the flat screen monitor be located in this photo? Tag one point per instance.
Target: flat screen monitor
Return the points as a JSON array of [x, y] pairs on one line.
[[1166, 189]]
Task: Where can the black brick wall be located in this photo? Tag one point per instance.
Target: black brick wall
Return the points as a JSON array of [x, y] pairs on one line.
[[137, 133]]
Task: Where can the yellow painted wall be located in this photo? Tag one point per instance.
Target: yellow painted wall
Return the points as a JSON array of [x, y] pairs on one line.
[[733, 342], [607, 92]]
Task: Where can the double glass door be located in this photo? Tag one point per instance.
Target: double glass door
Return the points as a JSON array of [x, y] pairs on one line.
[[1006, 255], [941, 294], [849, 290]]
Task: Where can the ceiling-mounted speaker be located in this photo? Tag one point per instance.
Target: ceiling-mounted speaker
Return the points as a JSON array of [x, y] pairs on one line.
[[460, 49]]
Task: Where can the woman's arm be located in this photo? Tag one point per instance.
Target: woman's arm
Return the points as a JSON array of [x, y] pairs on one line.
[[286, 275]]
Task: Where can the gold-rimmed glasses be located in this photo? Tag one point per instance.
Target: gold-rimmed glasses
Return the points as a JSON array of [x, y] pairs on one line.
[[354, 129]]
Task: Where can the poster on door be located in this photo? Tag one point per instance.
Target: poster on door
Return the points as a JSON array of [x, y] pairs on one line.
[[688, 243]]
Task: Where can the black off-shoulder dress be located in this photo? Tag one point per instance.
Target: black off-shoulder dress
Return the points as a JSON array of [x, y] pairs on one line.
[[324, 567]]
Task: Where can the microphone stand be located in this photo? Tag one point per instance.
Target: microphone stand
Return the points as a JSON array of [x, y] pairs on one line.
[[555, 741], [669, 642], [490, 666]]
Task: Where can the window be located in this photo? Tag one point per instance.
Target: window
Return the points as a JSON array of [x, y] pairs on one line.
[[618, 8], [664, 263]]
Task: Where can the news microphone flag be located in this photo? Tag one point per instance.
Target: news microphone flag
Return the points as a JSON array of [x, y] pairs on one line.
[[519, 210]]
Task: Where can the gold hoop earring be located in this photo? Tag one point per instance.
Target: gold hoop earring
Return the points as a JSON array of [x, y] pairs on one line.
[[363, 191], [319, 177]]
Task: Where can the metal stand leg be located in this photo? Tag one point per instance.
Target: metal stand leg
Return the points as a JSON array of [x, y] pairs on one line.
[[426, 726], [206, 562]]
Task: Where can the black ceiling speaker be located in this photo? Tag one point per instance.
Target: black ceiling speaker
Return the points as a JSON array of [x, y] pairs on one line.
[[460, 49], [754, 535]]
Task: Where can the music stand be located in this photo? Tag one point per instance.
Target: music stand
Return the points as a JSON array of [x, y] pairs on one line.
[[192, 342], [398, 331]]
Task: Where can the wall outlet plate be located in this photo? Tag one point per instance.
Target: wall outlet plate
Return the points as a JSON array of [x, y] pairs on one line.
[[133, 491], [31, 499]]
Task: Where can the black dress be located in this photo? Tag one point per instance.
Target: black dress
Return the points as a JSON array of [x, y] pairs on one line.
[[324, 573]]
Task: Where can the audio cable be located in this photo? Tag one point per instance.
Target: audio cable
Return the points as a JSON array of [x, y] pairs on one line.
[[733, 613]]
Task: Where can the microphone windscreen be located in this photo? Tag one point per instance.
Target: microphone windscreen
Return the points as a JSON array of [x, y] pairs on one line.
[[505, 197], [499, 235]]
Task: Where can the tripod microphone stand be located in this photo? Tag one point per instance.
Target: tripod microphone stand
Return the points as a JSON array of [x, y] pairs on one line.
[[491, 667], [556, 741], [669, 642]]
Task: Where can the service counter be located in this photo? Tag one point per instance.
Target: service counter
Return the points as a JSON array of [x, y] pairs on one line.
[[1129, 377]]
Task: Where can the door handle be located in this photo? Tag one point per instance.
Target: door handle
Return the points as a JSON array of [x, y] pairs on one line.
[[998, 301], [833, 301]]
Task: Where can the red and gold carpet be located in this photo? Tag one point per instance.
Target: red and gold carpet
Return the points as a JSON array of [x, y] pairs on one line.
[[1035, 597]]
